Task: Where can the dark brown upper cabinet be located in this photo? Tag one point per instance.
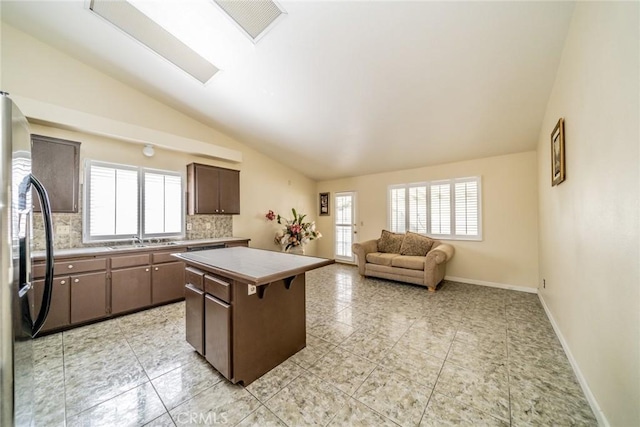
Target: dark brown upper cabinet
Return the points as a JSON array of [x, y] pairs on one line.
[[56, 163], [212, 190]]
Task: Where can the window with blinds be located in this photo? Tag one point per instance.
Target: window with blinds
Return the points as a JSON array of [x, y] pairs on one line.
[[162, 207], [125, 201], [447, 209]]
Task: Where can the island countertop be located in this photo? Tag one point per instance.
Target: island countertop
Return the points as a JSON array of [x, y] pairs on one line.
[[254, 266]]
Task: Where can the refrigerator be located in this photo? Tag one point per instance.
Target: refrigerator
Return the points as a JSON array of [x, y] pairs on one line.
[[20, 320]]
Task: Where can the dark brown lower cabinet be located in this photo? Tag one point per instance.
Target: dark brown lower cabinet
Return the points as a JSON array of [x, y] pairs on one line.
[[194, 317], [88, 296], [167, 282], [60, 310], [130, 289], [217, 332]]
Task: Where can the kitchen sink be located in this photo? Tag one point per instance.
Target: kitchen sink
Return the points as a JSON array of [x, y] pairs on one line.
[[141, 245], [123, 247]]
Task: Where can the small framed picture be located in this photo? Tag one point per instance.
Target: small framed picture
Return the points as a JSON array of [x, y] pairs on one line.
[[324, 204], [557, 154]]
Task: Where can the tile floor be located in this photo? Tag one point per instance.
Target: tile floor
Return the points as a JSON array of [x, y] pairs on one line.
[[378, 353]]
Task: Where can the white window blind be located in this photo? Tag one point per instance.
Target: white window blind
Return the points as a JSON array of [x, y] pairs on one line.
[[117, 196], [162, 207], [447, 209], [440, 209], [418, 209], [397, 209], [467, 212], [112, 201]]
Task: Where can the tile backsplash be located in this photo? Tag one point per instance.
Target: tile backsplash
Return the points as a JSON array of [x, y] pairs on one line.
[[67, 229]]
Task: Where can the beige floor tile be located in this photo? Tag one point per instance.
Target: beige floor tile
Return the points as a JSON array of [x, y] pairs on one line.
[[344, 370], [224, 403], [394, 397], [357, 414], [262, 417], [446, 411], [184, 382], [307, 400], [275, 380], [132, 408], [487, 391]]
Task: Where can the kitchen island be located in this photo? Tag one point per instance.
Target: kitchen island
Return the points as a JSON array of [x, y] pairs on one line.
[[245, 308]]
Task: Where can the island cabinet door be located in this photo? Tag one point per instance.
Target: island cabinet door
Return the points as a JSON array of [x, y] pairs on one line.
[[218, 334], [194, 317]]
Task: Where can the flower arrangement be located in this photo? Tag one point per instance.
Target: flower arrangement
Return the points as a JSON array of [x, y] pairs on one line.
[[295, 231]]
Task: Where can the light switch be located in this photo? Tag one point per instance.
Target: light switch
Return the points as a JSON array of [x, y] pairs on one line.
[[251, 290]]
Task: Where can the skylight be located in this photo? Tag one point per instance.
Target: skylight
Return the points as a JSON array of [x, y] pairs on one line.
[[189, 33], [157, 36]]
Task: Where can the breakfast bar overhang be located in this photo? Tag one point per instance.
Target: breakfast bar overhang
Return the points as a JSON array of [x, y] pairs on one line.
[[245, 308]]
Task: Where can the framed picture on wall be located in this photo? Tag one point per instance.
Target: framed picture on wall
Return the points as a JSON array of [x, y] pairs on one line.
[[324, 204], [557, 154]]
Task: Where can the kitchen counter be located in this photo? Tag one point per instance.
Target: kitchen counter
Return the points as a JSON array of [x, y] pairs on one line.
[[245, 308], [254, 266], [178, 245]]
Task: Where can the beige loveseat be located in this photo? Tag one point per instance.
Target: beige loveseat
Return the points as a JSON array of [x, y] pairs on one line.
[[409, 257]]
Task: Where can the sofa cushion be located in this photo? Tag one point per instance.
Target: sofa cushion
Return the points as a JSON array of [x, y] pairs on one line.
[[415, 244], [380, 258], [408, 261], [390, 242]]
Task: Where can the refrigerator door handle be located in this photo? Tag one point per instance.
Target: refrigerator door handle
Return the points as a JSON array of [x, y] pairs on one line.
[[48, 235]]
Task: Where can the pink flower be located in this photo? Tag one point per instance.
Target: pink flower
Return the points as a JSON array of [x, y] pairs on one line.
[[295, 228], [270, 215]]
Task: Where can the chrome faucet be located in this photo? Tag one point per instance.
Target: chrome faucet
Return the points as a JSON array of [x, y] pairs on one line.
[[136, 240]]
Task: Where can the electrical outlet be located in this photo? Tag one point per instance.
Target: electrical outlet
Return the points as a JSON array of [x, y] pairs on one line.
[[208, 226], [189, 226], [251, 290], [62, 229]]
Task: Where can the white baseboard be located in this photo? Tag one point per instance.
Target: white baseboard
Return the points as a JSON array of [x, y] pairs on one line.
[[492, 284], [602, 419]]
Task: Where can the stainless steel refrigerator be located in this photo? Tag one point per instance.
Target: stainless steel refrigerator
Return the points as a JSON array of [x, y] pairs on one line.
[[20, 321]]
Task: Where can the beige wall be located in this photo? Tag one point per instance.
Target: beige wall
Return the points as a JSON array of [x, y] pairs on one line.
[[589, 224], [507, 255], [37, 71]]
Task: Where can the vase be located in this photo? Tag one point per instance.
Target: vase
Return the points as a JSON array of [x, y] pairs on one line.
[[297, 250]]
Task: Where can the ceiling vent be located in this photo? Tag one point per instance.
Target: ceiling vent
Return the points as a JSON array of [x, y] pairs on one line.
[[135, 23], [254, 17]]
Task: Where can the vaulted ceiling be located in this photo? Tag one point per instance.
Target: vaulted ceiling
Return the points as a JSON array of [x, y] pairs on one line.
[[343, 88]]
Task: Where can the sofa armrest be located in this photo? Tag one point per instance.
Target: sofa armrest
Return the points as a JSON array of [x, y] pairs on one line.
[[442, 253], [361, 250]]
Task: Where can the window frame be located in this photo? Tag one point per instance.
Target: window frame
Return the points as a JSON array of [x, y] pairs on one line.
[[86, 211], [452, 214]]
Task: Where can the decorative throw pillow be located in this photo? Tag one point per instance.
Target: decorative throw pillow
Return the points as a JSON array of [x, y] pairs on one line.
[[415, 244], [390, 242]]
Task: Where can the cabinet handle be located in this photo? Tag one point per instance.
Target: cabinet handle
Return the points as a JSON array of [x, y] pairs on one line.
[[146, 269], [62, 282], [76, 280], [157, 268], [222, 210], [70, 266]]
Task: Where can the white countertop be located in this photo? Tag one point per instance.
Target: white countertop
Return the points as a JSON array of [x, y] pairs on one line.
[[257, 266], [115, 248]]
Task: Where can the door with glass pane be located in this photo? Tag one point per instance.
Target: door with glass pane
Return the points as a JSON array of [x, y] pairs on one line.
[[345, 225]]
